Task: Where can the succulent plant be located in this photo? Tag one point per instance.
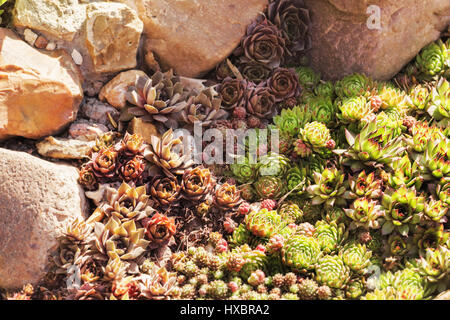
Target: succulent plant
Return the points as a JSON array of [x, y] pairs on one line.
[[436, 159], [419, 98], [159, 228], [307, 77], [353, 85], [329, 235], [263, 223], [255, 72], [165, 191], [316, 134], [321, 109], [269, 187], [297, 180], [301, 252], [329, 187], [158, 98], [430, 237], [104, 163], [353, 109], [433, 59], [232, 91], [325, 89], [259, 101], [440, 100], [402, 209], [227, 197], [392, 99], [435, 210], [332, 272], [168, 154], [273, 164], [284, 85], [87, 177], [373, 147], [404, 174], [364, 185], [365, 213], [118, 240], [356, 256], [292, 18], [263, 43], [197, 183], [435, 264], [202, 107]]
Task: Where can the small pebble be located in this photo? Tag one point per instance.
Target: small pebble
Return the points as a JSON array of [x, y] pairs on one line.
[[77, 58], [50, 46], [30, 36], [41, 42]]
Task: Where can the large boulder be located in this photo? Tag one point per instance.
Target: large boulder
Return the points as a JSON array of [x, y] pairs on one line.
[[40, 92], [193, 36], [37, 201], [345, 37]]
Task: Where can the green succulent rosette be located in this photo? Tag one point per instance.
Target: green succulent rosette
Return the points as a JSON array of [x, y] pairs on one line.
[[321, 109], [244, 170], [353, 110], [433, 59], [316, 134], [301, 252], [332, 271], [270, 187], [325, 89], [353, 85], [273, 164], [329, 235], [290, 121], [356, 256], [307, 77], [297, 180], [440, 101], [402, 209], [264, 223], [329, 188]]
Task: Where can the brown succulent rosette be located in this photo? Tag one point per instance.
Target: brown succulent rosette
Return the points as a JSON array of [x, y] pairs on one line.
[[87, 177], [165, 191], [284, 85], [255, 72], [131, 145], [232, 91], [292, 18], [159, 228], [260, 101], [263, 43], [167, 153], [132, 169], [104, 163], [203, 107], [227, 197], [197, 183], [157, 99]]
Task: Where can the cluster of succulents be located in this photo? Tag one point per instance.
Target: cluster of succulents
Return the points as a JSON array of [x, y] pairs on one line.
[[352, 203]]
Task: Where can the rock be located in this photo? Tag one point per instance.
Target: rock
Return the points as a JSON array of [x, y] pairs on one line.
[[37, 200], [113, 31], [86, 131], [62, 19], [61, 148], [114, 91], [98, 111], [77, 58], [145, 129], [30, 36], [343, 43], [443, 296], [41, 42], [193, 36], [50, 46], [40, 92]]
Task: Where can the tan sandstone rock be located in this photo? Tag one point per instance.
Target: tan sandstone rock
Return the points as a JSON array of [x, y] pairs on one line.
[[114, 91], [113, 31], [61, 18], [193, 36], [62, 148], [40, 92], [343, 43], [37, 200]]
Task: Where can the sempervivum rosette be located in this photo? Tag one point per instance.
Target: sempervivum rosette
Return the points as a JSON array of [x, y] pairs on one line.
[[104, 163], [356, 256], [227, 197], [433, 59], [292, 18], [329, 187], [255, 72], [159, 228], [259, 101], [197, 183], [232, 91], [331, 271], [301, 252], [284, 85], [353, 85], [263, 43], [264, 223], [329, 235], [165, 191]]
